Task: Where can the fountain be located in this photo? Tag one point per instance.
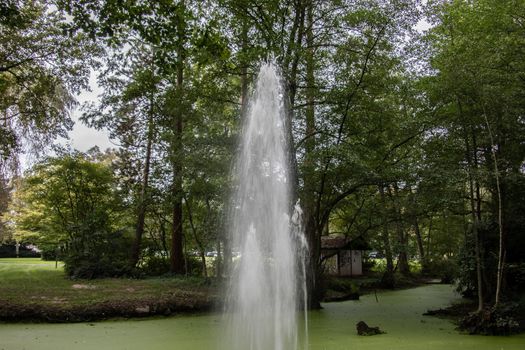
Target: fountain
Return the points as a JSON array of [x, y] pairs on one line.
[[268, 279]]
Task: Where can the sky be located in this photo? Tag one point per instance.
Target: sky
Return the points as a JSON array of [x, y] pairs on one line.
[[82, 137]]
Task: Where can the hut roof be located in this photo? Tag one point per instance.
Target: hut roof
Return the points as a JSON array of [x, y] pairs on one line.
[[336, 242]]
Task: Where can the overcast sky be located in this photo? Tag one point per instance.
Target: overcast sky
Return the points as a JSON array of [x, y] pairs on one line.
[[82, 137]]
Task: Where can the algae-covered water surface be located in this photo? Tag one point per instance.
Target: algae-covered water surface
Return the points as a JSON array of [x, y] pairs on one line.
[[399, 313]]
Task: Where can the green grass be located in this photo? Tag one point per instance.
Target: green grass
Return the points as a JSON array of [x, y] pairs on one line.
[[26, 261], [33, 282]]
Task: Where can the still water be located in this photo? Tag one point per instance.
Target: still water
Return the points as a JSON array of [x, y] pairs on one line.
[[333, 328]]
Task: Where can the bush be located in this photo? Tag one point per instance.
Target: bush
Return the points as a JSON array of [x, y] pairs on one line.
[[104, 255], [155, 265], [467, 276], [444, 269], [493, 322], [51, 252], [9, 251], [194, 265], [342, 285], [368, 265], [515, 276]]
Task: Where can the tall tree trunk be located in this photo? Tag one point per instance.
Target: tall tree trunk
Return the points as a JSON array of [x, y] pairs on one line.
[[474, 209], [501, 254], [475, 164], [388, 278], [177, 254], [429, 237], [313, 230], [477, 247], [419, 240], [417, 230], [202, 253], [142, 207], [163, 236], [402, 261], [290, 66]]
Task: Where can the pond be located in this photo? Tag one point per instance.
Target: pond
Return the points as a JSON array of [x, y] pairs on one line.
[[399, 313]]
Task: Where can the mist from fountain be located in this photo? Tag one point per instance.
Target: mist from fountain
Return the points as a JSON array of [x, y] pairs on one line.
[[267, 292]]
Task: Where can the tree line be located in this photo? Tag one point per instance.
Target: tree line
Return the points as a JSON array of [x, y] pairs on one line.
[[413, 140]]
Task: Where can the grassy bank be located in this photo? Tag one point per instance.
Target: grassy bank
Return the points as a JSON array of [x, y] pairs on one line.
[[31, 289]]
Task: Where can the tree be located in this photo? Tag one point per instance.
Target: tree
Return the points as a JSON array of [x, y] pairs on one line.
[[476, 55], [5, 197], [41, 67], [72, 202], [156, 105]]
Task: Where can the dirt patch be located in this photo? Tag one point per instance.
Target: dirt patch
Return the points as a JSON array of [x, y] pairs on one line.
[[83, 286]]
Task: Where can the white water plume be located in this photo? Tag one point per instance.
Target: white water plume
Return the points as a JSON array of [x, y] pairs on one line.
[[267, 294]]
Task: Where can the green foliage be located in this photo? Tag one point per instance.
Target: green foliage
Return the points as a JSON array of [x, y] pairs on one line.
[[155, 265], [103, 254], [51, 253], [40, 69], [502, 321], [385, 147], [515, 277], [445, 269], [342, 285], [71, 202], [9, 251], [466, 283]]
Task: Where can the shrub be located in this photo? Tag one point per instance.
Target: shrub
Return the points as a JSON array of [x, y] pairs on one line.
[[9, 251], [445, 269], [104, 255], [515, 276], [49, 254], [342, 285], [154, 265]]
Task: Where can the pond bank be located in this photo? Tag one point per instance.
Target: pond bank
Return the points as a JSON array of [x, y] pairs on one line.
[[34, 290], [398, 313]]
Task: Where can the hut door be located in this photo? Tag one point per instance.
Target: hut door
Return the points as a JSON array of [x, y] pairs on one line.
[[357, 267]]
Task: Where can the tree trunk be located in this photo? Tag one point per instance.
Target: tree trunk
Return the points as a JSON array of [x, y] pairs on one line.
[[292, 56], [313, 230], [388, 279], [402, 260], [477, 248], [142, 207], [429, 237], [475, 209], [501, 254], [417, 231], [202, 253], [176, 256], [419, 240]]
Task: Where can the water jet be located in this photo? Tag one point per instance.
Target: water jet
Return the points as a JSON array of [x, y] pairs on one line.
[[267, 288]]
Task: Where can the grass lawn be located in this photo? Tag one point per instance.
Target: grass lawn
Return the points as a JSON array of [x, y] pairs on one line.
[[30, 287]]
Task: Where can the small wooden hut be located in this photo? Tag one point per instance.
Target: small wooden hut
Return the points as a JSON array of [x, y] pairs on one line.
[[343, 256]]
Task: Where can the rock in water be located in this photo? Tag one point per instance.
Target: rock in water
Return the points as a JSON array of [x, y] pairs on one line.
[[364, 329]]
